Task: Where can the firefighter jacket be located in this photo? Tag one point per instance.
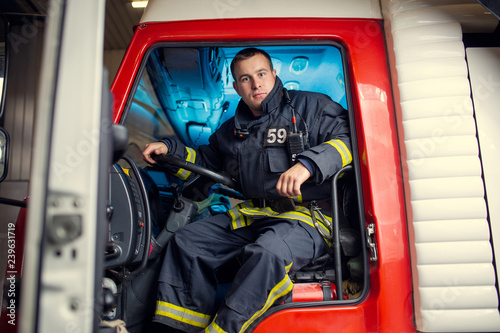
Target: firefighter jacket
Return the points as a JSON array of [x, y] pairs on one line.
[[257, 160]]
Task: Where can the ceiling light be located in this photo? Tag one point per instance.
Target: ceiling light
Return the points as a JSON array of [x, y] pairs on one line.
[[299, 65], [139, 4], [292, 85]]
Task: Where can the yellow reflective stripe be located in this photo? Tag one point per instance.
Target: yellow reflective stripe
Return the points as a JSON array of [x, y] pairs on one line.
[[287, 268], [246, 221], [181, 314], [266, 211], [301, 214], [342, 149], [308, 219], [191, 157], [235, 221], [239, 220], [281, 289], [214, 328], [241, 215]]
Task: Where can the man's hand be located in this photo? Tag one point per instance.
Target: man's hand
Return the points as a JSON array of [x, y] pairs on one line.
[[291, 180], [151, 150]]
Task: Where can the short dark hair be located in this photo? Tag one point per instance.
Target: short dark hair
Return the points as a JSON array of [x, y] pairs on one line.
[[248, 53]]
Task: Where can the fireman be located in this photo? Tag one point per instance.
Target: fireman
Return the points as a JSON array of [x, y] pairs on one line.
[[280, 147]]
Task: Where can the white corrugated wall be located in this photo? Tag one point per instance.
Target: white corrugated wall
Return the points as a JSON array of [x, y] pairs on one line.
[[18, 122], [452, 259]]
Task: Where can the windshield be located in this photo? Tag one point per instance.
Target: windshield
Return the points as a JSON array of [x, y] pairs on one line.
[[187, 92]]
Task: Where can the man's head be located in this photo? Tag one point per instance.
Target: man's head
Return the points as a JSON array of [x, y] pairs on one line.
[[254, 77]]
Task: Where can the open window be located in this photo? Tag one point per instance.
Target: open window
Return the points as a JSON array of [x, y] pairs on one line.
[[186, 92]]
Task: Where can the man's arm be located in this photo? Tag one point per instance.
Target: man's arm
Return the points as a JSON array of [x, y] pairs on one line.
[[331, 151], [330, 142], [290, 181], [154, 149]]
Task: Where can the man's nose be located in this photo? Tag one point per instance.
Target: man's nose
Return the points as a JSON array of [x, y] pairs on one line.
[[256, 83]]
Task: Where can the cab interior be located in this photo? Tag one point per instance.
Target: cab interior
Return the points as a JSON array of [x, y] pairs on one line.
[[186, 92]]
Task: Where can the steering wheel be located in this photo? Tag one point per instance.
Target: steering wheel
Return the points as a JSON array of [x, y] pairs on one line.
[[198, 169], [130, 219]]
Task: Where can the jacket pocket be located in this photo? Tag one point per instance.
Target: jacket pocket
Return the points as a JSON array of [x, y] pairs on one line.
[[278, 159]]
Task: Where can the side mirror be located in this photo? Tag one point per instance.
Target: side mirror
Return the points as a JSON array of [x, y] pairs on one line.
[[4, 153], [120, 141]]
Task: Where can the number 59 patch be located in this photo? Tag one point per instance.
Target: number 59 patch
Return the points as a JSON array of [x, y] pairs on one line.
[[275, 136]]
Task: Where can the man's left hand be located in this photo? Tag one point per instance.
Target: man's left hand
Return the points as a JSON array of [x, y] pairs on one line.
[[291, 180]]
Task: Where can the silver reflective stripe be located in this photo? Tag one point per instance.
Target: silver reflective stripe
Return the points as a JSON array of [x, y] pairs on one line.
[[214, 328], [281, 289], [181, 314], [301, 214], [342, 149], [243, 213], [239, 220], [191, 157]]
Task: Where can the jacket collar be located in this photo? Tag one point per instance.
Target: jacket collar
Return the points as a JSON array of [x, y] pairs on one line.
[[269, 104], [274, 98]]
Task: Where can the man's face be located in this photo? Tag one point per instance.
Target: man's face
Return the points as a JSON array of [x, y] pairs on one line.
[[254, 79]]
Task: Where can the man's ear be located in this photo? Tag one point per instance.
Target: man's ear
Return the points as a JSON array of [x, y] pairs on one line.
[[235, 86]]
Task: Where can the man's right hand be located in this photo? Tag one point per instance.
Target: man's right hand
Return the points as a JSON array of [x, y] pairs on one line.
[[152, 150]]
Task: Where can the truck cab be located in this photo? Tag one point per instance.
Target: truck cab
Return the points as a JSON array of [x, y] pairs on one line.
[[415, 222]]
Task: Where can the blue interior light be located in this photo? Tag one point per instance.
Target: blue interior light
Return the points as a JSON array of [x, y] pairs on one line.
[[292, 85], [299, 65]]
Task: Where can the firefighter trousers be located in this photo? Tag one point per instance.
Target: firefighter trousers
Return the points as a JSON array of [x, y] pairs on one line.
[[261, 255]]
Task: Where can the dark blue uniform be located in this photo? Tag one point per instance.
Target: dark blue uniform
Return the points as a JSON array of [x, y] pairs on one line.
[[263, 244]]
